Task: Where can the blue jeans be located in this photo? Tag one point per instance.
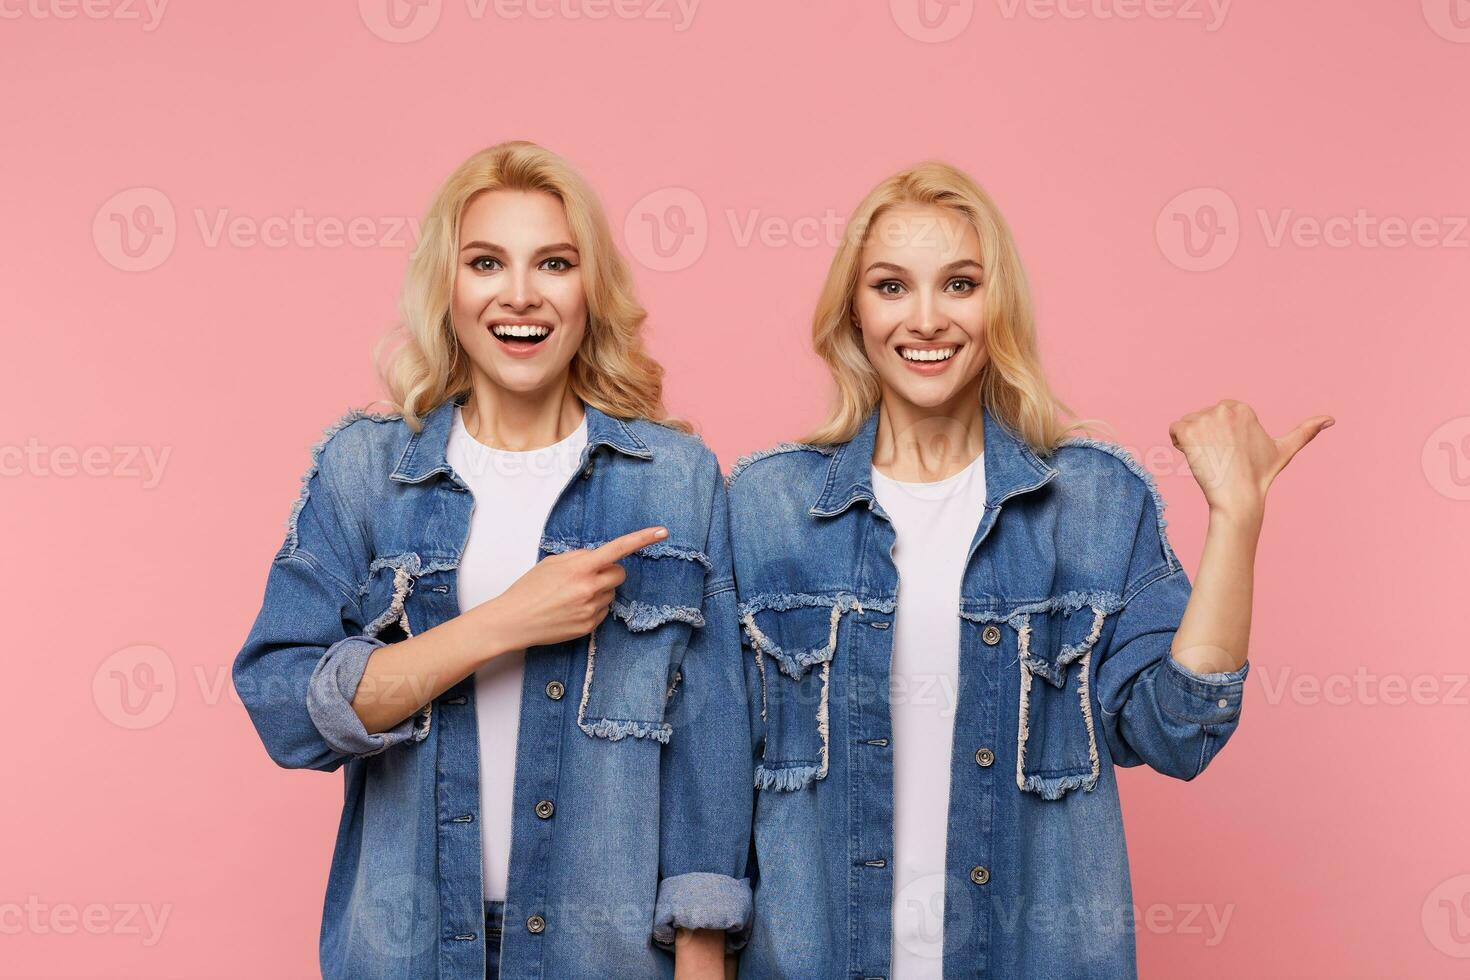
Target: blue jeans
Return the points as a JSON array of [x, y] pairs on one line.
[[494, 926]]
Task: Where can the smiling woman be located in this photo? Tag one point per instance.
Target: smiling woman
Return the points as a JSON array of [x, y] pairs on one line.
[[528, 525], [943, 533]]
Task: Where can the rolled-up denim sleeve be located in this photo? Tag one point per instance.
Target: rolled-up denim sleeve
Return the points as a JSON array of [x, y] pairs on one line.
[[1155, 711], [707, 772], [329, 695], [305, 655]]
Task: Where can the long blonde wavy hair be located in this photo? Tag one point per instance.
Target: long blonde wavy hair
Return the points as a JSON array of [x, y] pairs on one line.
[[1012, 386], [421, 362]]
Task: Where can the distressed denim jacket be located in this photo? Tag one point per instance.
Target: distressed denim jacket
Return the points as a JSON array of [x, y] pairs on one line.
[[633, 782], [1070, 599]]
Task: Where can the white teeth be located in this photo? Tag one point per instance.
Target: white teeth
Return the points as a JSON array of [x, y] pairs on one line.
[[941, 354], [519, 330]]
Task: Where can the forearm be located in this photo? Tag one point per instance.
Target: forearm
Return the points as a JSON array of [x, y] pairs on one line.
[[699, 954], [1214, 633], [402, 677]]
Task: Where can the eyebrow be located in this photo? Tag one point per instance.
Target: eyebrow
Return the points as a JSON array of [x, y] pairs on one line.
[[951, 267], [492, 247]]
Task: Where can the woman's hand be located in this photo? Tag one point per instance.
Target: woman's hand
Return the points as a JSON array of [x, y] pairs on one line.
[[563, 596], [1234, 459]]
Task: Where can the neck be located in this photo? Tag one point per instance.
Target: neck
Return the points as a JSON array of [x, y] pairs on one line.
[[519, 421], [923, 444]]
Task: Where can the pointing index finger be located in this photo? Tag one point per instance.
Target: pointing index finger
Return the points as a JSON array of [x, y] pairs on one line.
[[623, 546]]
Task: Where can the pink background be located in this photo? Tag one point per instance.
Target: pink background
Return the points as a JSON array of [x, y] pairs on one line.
[[1145, 163]]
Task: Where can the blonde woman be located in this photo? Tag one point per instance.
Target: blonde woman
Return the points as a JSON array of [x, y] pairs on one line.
[[534, 787], [961, 619]]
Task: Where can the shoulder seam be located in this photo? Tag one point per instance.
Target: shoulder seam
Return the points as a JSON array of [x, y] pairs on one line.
[[1137, 469], [350, 416], [780, 448]]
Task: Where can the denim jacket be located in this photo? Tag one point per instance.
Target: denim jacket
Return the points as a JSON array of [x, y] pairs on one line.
[[1070, 599], [633, 782]]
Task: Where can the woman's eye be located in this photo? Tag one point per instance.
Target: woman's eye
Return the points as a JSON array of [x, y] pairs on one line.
[[484, 263], [889, 287], [961, 285], [557, 264]]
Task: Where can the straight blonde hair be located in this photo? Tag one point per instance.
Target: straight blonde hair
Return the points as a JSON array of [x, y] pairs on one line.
[[1012, 386], [610, 371]]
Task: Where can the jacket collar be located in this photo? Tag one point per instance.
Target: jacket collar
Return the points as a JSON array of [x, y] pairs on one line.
[[426, 455], [1011, 467]]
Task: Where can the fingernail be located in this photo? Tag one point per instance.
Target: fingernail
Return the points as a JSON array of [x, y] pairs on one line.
[[662, 532]]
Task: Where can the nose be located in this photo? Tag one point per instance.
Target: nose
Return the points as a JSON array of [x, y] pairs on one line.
[[521, 294], [927, 321]]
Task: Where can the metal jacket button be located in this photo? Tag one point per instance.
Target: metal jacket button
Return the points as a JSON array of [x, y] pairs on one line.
[[555, 689], [991, 635], [984, 758], [979, 875], [545, 809], [536, 924]]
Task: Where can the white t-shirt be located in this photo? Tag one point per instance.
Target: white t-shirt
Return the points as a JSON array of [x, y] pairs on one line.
[[935, 523], [513, 493]]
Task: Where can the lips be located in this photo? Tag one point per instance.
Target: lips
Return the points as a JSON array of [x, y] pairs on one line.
[[520, 334], [928, 359], [928, 354]]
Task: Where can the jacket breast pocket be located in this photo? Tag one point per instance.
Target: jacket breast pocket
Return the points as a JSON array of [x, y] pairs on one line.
[[794, 640], [1056, 733], [389, 613], [634, 654]]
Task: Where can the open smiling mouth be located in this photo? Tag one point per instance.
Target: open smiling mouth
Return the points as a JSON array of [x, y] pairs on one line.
[[928, 355], [520, 336]]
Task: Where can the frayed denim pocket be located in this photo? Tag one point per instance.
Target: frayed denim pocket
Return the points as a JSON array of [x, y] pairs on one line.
[[797, 634], [634, 654], [386, 603], [1050, 643]]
